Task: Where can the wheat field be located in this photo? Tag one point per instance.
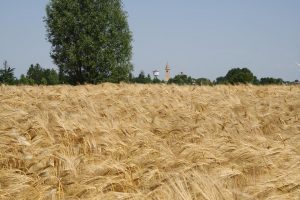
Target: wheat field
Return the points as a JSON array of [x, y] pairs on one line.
[[149, 142]]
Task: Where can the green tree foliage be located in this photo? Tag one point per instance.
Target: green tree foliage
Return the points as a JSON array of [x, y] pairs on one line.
[[91, 40], [25, 81], [7, 74], [142, 78], [51, 76], [221, 80], [181, 79], [131, 78], [203, 81], [38, 75], [239, 75], [35, 72], [44, 81], [256, 81], [244, 75], [271, 81], [156, 81], [149, 79]]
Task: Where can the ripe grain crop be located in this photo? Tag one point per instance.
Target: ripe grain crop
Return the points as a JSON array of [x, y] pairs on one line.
[[149, 142]]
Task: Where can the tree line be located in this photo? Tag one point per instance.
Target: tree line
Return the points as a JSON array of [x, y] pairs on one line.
[[37, 75], [234, 76]]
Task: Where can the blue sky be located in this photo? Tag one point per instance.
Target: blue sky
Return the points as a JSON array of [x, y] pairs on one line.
[[202, 38]]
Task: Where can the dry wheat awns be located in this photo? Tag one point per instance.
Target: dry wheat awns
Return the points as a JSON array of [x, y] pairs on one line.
[[150, 142]]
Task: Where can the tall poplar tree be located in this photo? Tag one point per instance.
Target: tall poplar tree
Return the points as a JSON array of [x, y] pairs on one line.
[[91, 40]]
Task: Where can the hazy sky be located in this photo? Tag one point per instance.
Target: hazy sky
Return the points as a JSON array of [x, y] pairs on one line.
[[200, 38]]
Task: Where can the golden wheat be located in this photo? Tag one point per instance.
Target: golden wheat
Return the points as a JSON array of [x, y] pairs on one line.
[[150, 142]]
